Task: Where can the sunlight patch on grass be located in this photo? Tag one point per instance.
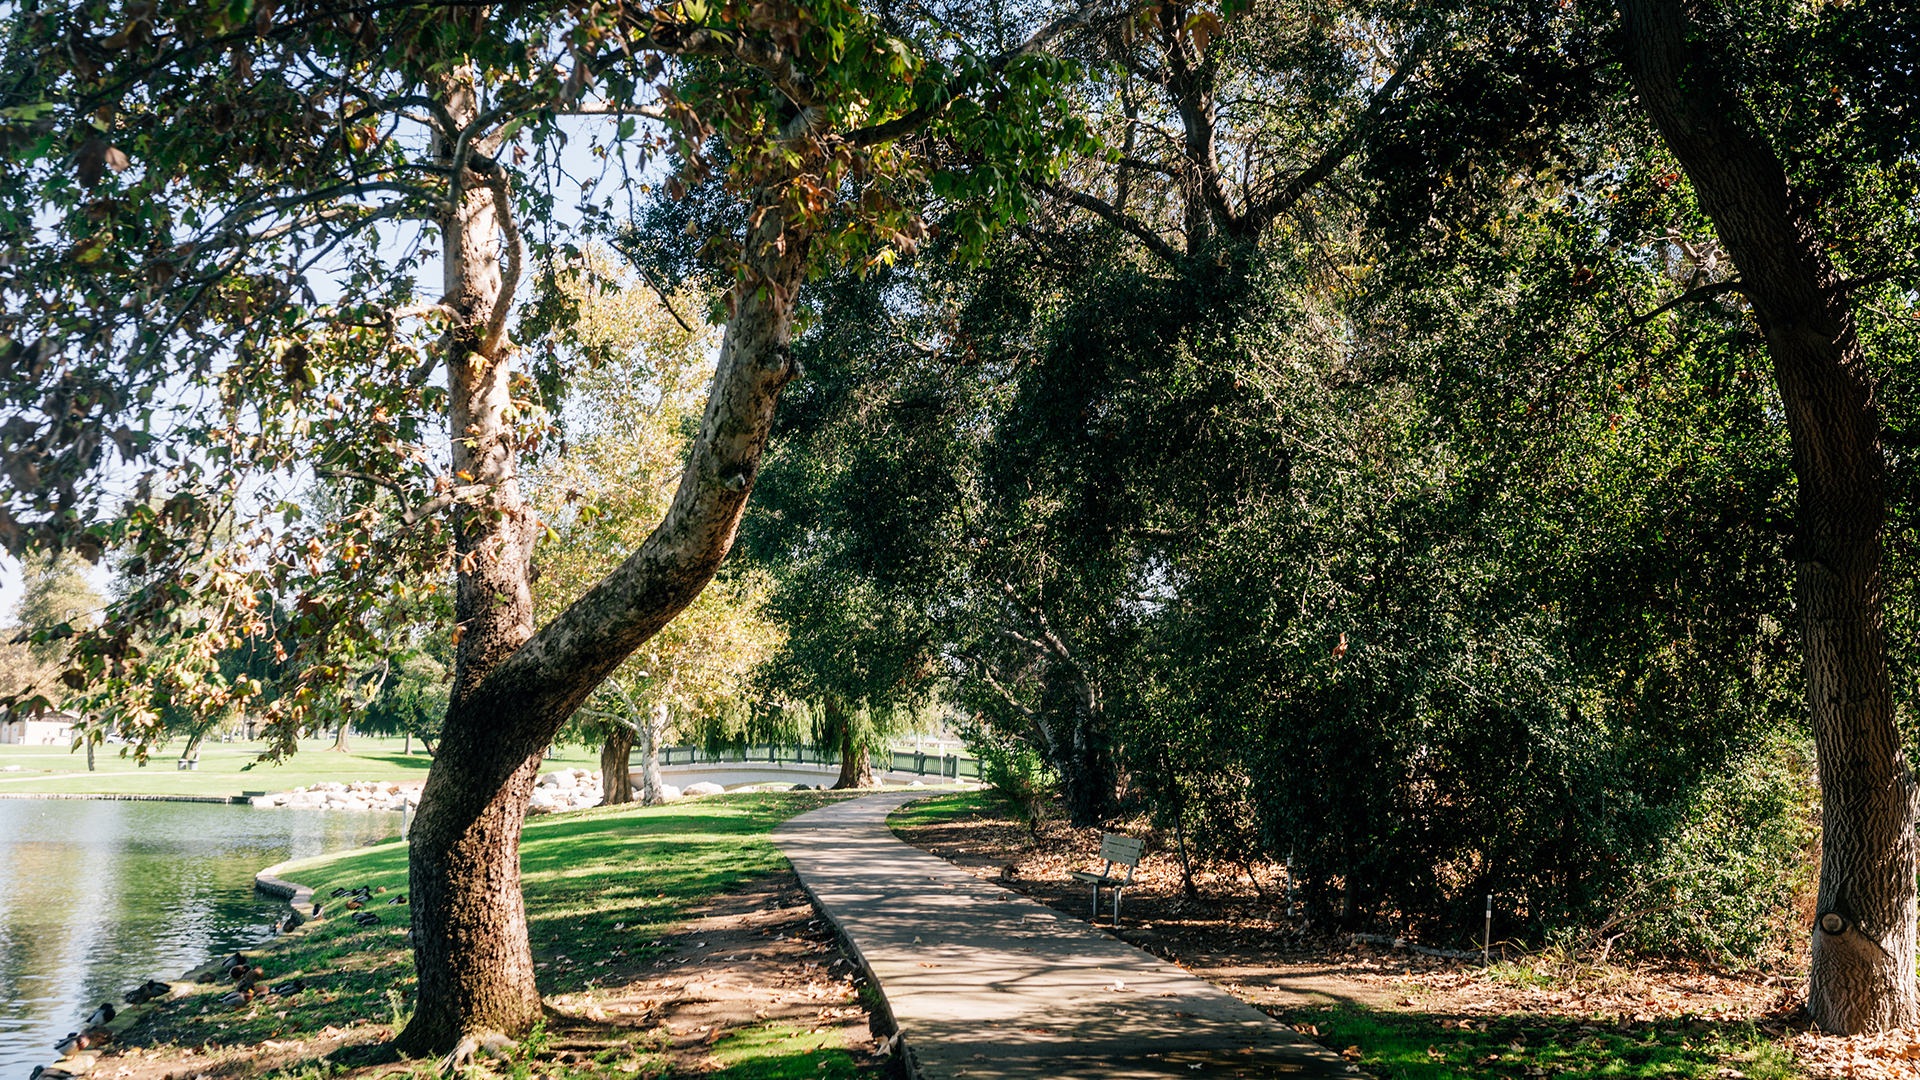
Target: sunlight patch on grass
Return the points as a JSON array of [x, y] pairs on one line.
[[941, 809], [781, 1052], [1394, 1046]]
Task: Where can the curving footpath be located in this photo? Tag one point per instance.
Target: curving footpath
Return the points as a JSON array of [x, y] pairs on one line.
[[982, 982]]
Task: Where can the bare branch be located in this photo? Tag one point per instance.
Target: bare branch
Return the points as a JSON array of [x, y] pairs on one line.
[[1133, 226]]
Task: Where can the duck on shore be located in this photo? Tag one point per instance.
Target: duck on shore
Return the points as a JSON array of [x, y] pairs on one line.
[[76, 1041], [101, 1016], [151, 990], [365, 918]]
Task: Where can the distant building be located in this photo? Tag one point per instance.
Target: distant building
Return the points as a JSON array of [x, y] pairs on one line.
[[51, 728]]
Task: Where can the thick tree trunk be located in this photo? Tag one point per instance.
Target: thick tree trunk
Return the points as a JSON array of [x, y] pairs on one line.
[[856, 768], [653, 731], [513, 688], [339, 738], [616, 781], [471, 952], [1862, 976]]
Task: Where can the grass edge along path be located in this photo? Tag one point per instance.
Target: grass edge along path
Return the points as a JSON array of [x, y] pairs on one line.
[[1410, 1044], [603, 888]]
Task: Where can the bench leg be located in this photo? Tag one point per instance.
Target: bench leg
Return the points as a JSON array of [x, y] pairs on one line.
[[1117, 890], [1096, 902]]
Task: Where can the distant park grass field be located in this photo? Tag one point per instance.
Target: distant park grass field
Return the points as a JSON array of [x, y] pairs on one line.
[[226, 769]]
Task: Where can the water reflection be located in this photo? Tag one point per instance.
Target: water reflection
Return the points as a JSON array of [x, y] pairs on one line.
[[96, 897]]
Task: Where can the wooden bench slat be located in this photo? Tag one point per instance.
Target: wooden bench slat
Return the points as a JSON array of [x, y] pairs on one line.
[[1121, 849]]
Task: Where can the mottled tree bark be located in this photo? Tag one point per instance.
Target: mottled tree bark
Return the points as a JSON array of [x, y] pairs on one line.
[[1862, 976], [513, 688], [653, 730]]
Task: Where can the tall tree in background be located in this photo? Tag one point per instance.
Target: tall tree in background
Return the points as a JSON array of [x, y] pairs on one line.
[[185, 185], [1684, 58], [56, 602]]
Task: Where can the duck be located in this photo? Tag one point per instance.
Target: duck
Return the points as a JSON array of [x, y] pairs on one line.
[[243, 973], [102, 1016], [289, 922], [288, 988], [316, 911], [338, 893], [398, 901], [365, 918], [151, 990], [43, 1072], [77, 1041], [356, 903]]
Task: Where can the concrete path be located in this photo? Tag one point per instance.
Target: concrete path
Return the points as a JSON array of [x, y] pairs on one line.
[[986, 983]]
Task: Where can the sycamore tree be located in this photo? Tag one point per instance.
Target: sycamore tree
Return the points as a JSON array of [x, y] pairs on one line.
[[219, 221], [629, 418]]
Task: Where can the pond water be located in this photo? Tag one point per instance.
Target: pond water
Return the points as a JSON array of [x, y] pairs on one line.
[[96, 897]]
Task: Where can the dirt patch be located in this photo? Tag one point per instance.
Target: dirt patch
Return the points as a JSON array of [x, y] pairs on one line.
[[1238, 934], [753, 957]]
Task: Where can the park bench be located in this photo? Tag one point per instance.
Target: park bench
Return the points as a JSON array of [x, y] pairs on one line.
[[1118, 851]]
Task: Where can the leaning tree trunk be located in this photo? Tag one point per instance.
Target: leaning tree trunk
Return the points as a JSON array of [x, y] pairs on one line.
[[514, 688], [653, 730], [616, 779], [1862, 976]]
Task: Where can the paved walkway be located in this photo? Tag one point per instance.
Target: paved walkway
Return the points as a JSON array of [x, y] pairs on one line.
[[986, 983]]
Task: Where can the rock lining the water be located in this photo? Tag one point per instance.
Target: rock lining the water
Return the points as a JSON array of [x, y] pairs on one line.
[[562, 789], [354, 795]]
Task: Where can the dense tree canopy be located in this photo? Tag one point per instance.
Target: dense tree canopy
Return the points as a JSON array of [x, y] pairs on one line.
[[1452, 448]]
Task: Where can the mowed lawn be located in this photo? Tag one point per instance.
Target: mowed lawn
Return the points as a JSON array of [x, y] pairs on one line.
[[610, 881], [226, 769]]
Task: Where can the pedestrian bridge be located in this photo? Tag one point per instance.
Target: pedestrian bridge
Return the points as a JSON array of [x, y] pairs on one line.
[[742, 766]]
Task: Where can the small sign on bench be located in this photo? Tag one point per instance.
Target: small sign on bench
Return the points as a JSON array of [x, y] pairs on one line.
[[1118, 851]]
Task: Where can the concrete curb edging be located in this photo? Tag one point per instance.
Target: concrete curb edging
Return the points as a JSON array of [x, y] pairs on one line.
[[883, 1008], [295, 894]]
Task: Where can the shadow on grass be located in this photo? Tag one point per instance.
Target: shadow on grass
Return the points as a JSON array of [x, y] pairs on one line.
[[1427, 1046], [583, 874], [416, 762]]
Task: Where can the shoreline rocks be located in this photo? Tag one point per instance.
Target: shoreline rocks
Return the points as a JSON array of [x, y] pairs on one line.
[[354, 795], [562, 789]]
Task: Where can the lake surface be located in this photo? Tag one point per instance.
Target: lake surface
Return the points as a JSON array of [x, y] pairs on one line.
[[96, 897]]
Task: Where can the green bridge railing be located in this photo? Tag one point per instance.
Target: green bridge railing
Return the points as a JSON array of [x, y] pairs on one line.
[[947, 766]]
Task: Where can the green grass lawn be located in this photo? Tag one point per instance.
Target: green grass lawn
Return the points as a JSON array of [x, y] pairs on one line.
[[606, 883], [226, 769], [944, 808], [1416, 1046]]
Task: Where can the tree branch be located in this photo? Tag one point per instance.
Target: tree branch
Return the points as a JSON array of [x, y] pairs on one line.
[[1114, 217]]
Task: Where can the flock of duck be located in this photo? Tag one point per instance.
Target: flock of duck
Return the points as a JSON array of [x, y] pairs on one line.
[[246, 976]]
